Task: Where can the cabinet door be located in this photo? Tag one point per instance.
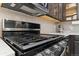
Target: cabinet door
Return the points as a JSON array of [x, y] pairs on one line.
[[71, 44], [57, 10], [76, 48], [61, 11], [53, 9]]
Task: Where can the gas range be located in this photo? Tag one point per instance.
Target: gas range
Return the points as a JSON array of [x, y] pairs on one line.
[[25, 38]]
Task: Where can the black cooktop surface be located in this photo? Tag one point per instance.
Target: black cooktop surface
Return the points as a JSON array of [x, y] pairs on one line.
[[21, 41]]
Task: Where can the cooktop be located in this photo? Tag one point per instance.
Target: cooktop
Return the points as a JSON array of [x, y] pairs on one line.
[[27, 39]]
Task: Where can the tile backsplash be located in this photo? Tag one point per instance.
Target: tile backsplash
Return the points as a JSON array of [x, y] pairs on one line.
[[70, 28]]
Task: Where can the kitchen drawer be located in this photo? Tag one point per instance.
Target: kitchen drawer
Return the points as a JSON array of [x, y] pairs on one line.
[[76, 37]]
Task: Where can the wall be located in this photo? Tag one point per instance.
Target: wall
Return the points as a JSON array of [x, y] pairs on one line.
[[67, 27], [46, 26], [75, 28], [70, 28]]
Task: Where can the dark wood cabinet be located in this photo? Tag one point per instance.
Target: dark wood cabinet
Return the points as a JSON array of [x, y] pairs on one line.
[[74, 45], [53, 9], [62, 13], [57, 10], [71, 44]]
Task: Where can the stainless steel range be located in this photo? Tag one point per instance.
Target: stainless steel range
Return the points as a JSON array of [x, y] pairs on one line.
[[25, 37]]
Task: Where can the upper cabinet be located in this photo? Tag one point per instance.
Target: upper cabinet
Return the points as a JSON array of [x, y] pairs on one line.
[[57, 10], [64, 11], [71, 11], [53, 10]]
